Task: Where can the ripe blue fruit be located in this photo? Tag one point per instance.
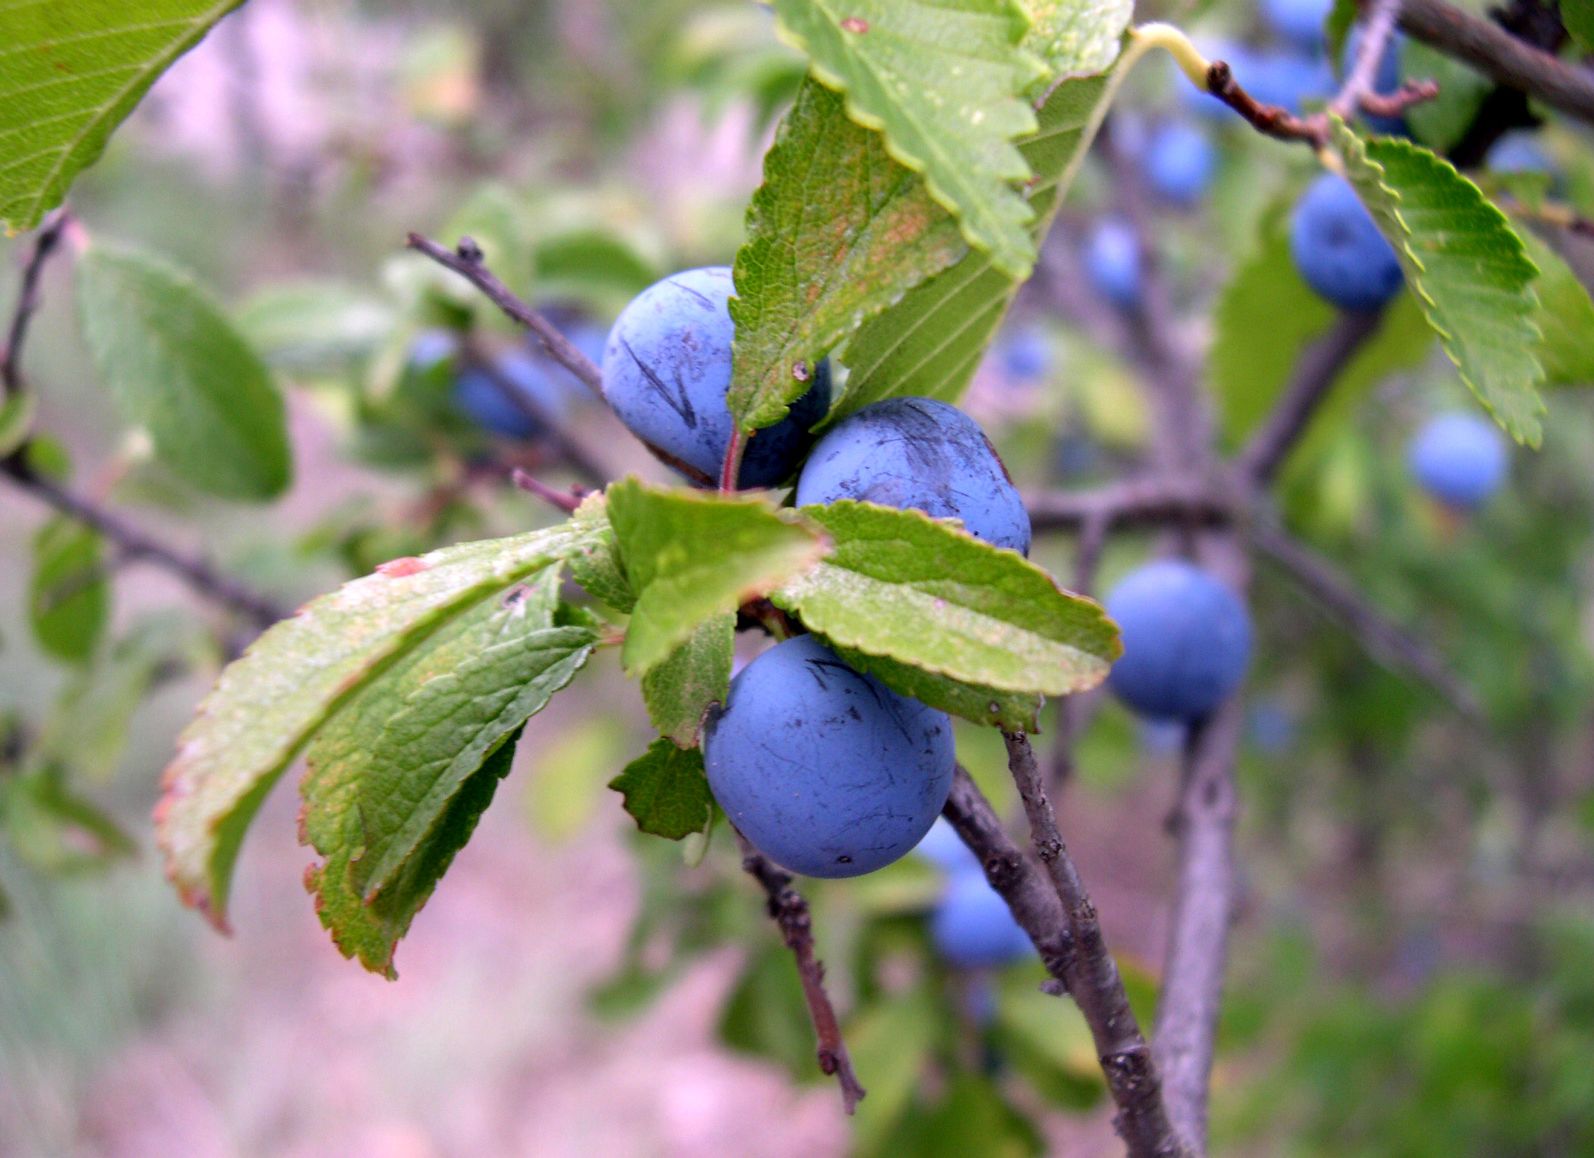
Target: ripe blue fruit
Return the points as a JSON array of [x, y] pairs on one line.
[[485, 400], [1112, 262], [1179, 162], [918, 454], [1519, 152], [667, 366], [1298, 21], [1186, 639], [973, 928], [944, 848], [1459, 459], [827, 771], [1025, 353], [1385, 81], [1338, 249]]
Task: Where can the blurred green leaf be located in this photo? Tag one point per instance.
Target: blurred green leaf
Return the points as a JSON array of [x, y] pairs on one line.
[[315, 326], [902, 585], [666, 791], [1046, 1039], [929, 344], [16, 420], [765, 1014], [592, 265], [178, 368], [567, 774], [1076, 37], [837, 232], [1443, 121], [69, 599], [970, 1118], [1578, 17], [302, 670], [1465, 264], [72, 73], [890, 1042], [692, 555], [1565, 317], [695, 675], [57, 831], [945, 86]]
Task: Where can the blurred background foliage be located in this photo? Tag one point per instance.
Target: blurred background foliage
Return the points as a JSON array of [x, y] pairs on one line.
[[1410, 972]]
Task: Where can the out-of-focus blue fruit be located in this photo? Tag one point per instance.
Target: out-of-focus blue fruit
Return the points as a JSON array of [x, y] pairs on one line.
[[973, 928], [667, 366], [1519, 151], [587, 336], [944, 848], [1459, 459], [923, 455], [431, 347], [1112, 262], [1385, 81], [827, 771], [1187, 639], [1025, 353], [1299, 21], [1288, 79], [1179, 162], [1339, 250], [486, 402]]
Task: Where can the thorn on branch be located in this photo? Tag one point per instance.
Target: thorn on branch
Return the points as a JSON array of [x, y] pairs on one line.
[[566, 501], [1394, 104]]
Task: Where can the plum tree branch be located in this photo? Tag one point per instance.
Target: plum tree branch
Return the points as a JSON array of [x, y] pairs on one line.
[[28, 296], [1386, 641], [1500, 56], [574, 454], [1068, 938], [467, 261], [1378, 25], [789, 910], [1151, 501]]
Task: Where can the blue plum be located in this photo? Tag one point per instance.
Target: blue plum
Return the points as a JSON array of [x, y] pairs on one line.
[[1298, 21], [973, 928], [1187, 640], [1025, 353], [1459, 459], [1288, 79], [431, 347], [1385, 81], [1339, 250], [944, 848], [1519, 151], [1179, 162], [484, 396], [1112, 262], [827, 771], [666, 368], [918, 454]]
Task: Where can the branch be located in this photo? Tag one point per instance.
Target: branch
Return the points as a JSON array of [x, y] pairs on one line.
[[1091, 974], [566, 501], [1192, 975], [1152, 501], [1500, 56], [573, 453], [1362, 79], [467, 261], [789, 910], [133, 543], [1316, 371], [1383, 639], [11, 381]]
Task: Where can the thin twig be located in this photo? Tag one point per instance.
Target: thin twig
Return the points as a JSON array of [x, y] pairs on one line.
[[1503, 58], [1269, 120], [1192, 975], [574, 455], [1092, 975], [468, 262], [1070, 714], [1386, 641], [566, 501], [789, 910], [1362, 79], [1152, 501], [49, 237], [1316, 372]]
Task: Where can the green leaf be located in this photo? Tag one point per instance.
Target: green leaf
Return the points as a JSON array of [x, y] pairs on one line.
[[597, 566], [1442, 122], [592, 265], [666, 791], [71, 73], [696, 674], [315, 325], [57, 831], [891, 1041], [1077, 37], [16, 420], [1578, 17], [1565, 317], [386, 771], [944, 84], [1010, 711], [69, 600], [1267, 314], [178, 368], [692, 555], [298, 673], [929, 344], [1466, 266], [837, 232], [902, 585]]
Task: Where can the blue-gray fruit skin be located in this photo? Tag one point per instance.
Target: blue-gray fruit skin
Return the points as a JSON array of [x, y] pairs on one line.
[[973, 928], [1460, 459], [923, 455], [667, 366], [1187, 640], [827, 771], [1338, 249]]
